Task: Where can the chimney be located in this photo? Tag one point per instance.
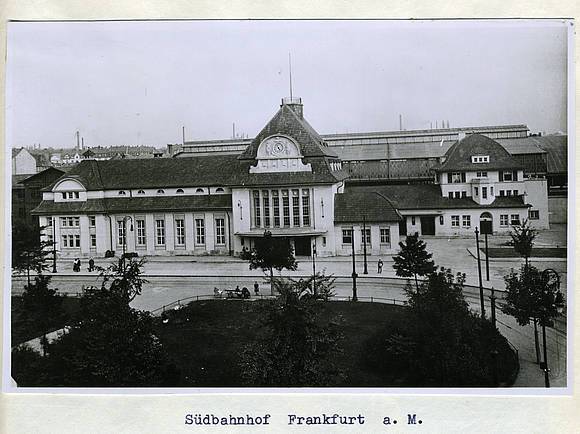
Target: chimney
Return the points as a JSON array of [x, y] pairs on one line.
[[294, 104]]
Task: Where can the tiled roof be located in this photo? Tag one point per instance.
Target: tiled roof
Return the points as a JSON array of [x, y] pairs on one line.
[[137, 204], [351, 206], [287, 122], [428, 196], [458, 157]]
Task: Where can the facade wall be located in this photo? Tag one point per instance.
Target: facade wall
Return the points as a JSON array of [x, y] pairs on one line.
[[536, 190], [375, 247], [23, 163], [558, 209]]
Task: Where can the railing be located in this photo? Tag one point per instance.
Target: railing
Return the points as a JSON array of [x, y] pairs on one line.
[[182, 302]]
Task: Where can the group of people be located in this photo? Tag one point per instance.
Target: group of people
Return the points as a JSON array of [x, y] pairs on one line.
[[77, 265]]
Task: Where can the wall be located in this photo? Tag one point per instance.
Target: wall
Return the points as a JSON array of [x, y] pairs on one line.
[[375, 248], [537, 196], [23, 163], [558, 209]]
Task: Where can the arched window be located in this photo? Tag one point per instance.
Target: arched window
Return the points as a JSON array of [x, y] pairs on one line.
[[179, 191], [160, 191], [219, 190], [199, 190], [122, 193], [140, 192]]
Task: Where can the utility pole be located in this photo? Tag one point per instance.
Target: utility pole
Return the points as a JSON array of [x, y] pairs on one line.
[[365, 244], [314, 267], [53, 245], [492, 299], [354, 275], [486, 259], [479, 273]]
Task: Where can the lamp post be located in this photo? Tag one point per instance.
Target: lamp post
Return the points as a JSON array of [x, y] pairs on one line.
[[364, 237], [479, 273], [354, 275], [314, 267], [492, 299], [550, 300], [486, 259], [53, 245], [125, 236]]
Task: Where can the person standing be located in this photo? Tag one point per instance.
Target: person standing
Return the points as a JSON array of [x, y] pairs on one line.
[[380, 266], [91, 264], [256, 288]]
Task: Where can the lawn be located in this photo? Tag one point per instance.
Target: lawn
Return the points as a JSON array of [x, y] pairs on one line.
[[205, 340], [537, 252], [23, 330]]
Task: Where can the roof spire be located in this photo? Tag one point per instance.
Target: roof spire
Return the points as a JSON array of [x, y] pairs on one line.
[[290, 68]]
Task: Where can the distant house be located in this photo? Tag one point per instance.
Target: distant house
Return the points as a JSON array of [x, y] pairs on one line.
[[23, 163]]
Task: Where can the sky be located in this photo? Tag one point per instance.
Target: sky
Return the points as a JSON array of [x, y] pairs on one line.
[[139, 82]]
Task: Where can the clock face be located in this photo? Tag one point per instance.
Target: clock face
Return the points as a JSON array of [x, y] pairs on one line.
[[278, 147]]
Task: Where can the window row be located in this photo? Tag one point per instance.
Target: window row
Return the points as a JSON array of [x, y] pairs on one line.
[[484, 191], [457, 194], [509, 193], [179, 232], [72, 221], [385, 236], [505, 220], [71, 240], [178, 191], [465, 221], [281, 208], [480, 159], [71, 195]]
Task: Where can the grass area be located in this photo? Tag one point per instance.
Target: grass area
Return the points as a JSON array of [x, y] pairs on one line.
[[208, 336], [537, 252], [23, 330]]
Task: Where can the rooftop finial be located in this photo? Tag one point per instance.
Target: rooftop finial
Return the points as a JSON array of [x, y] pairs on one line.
[[290, 68]]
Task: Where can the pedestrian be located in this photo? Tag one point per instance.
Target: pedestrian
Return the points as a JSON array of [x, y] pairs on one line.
[[380, 266], [77, 265], [256, 288], [91, 265]]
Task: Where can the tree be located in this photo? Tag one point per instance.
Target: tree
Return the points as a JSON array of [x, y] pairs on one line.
[[124, 278], [441, 342], [324, 286], [523, 239], [271, 254], [110, 344], [531, 296], [297, 348], [29, 251], [413, 259], [41, 306]]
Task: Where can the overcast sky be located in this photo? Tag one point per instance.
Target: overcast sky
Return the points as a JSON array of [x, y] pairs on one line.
[[140, 82]]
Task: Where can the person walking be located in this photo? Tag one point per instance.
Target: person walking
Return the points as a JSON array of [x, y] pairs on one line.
[[91, 265], [380, 266]]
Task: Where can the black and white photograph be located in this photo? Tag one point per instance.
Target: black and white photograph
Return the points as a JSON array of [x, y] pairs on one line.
[[375, 205]]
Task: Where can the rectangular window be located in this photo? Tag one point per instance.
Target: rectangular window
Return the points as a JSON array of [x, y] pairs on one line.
[[179, 232], [276, 207], [220, 231], [515, 219], [347, 236], [502, 193], [295, 208], [457, 194], [476, 191], [484, 192], [49, 221], [121, 231], [200, 231], [266, 203], [141, 237], [508, 176], [508, 192], [77, 240], [286, 208], [456, 177], [368, 236], [65, 240], [93, 241], [257, 210], [534, 214], [385, 236], [491, 191], [63, 222], [463, 194], [413, 220], [305, 208], [516, 192], [482, 174], [450, 194], [160, 232], [466, 221], [455, 221], [323, 241], [504, 220], [77, 195], [92, 221]]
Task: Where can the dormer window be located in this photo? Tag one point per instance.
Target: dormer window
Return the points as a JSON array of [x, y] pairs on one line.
[[71, 195], [140, 192], [482, 174], [179, 191], [199, 190], [219, 190], [122, 193], [160, 191], [480, 159]]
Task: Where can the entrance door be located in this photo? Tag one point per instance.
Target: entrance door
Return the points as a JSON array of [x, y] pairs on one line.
[[428, 225], [302, 246], [403, 227]]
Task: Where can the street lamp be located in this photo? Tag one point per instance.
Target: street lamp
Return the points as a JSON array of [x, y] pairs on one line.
[[53, 245], [479, 273], [354, 275], [364, 237], [125, 236], [314, 267], [550, 301]]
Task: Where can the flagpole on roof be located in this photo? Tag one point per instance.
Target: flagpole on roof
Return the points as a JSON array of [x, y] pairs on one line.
[[290, 68]]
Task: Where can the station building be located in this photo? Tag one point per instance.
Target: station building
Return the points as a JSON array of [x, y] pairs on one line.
[[287, 181]]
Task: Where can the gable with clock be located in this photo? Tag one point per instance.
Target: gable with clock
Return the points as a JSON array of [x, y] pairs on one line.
[[279, 153]]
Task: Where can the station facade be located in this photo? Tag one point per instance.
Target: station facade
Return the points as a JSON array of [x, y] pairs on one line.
[[287, 181]]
